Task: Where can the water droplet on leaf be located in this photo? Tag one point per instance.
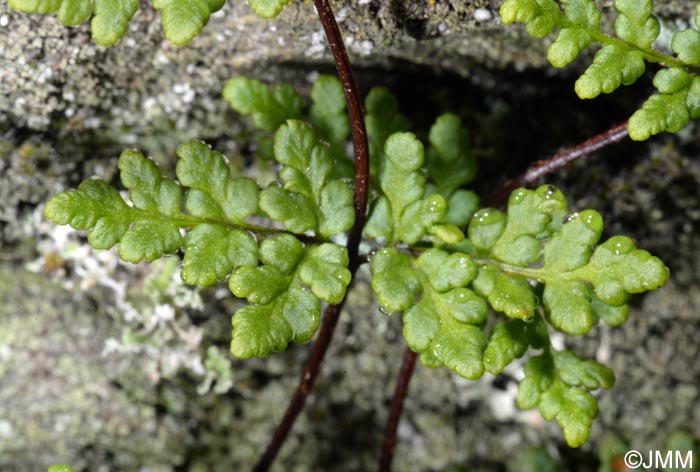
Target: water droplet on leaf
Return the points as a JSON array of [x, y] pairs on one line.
[[519, 195], [384, 310], [570, 218]]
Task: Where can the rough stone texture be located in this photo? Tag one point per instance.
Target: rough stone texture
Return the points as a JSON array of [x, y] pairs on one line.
[[61, 78], [61, 399], [68, 107], [62, 75]]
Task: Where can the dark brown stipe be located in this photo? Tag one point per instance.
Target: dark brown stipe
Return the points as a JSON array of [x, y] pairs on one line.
[[357, 122], [559, 160], [404, 377], [330, 317]]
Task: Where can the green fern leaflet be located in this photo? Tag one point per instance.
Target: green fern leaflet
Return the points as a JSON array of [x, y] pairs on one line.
[[621, 59], [182, 19], [446, 266]]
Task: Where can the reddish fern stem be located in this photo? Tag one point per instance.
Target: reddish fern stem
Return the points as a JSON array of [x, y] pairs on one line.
[[404, 377], [330, 318], [311, 370], [559, 160]]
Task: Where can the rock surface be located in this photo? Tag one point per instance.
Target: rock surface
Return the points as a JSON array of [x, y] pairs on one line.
[[68, 107], [51, 74]]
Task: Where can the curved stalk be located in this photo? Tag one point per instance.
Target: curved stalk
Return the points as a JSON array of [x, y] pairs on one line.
[[308, 377], [330, 318], [559, 160], [389, 443]]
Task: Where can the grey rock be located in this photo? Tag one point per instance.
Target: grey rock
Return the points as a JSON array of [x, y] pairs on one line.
[[68, 107], [62, 402], [145, 83]]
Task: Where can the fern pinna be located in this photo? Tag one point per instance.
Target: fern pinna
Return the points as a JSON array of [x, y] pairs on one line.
[[621, 59], [182, 19], [446, 265]]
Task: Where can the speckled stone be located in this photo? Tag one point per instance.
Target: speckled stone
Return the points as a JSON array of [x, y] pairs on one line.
[[68, 107], [50, 74]]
